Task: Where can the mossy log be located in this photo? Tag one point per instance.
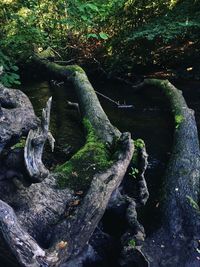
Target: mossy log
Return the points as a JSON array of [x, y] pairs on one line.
[[38, 228], [177, 242]]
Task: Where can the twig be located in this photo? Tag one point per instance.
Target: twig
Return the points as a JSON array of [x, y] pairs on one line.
[[116, 103], [63, 61]]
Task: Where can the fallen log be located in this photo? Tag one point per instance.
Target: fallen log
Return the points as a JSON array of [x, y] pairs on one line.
[[176, 243]]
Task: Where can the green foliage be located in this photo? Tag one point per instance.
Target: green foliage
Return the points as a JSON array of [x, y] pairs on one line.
[[158, 33], [122, 33], [103, 35], [29, 25], [132, 243], [134, 172], [89, 160], [139, 143], [177, 22], [20, 144], [9, 76]]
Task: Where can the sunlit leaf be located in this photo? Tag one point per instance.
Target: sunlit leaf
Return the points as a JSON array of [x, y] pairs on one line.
[[103, 35], [92, 35]]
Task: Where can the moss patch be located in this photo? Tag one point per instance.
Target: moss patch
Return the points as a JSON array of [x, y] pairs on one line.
[[20, 144], [74, 68], [93, 157], [178, 120], [138, 144]]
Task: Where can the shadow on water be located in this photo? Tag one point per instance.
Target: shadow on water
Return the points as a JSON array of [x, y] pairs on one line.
[[148, 120]]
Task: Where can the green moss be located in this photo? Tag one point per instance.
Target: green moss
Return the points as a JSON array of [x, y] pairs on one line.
[[74, 68], [93, 157], [138, 144], [132, 243], [20, 144], [178, 120], [47, 53]]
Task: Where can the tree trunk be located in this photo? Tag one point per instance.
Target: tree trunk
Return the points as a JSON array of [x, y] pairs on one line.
[[176, 243]]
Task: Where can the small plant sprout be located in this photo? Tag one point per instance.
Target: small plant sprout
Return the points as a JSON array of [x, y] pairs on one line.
[[134, 172], [132, 243]]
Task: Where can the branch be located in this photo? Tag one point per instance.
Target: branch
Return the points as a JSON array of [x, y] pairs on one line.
[[23, 246], [35, 144]]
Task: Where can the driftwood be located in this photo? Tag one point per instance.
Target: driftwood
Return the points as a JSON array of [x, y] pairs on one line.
[[35, 144], [36, 228]]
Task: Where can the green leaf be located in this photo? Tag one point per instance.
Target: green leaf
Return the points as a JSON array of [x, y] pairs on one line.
[[15, 68], [103, 35], [92, 35], [17, 82], [85, 18], [132, 243], [92, 7]]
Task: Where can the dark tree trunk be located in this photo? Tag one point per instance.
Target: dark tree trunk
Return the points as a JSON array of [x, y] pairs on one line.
[[177, 242]]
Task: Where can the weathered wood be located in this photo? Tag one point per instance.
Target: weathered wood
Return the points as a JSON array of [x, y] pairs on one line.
[[80, 228], [35, 144], [143, 193], [23, 246], [17, 116], [72, 105]]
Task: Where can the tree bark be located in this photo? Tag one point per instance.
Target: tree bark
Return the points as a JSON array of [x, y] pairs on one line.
[[17, 116], [177, 241], [35, 144]]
